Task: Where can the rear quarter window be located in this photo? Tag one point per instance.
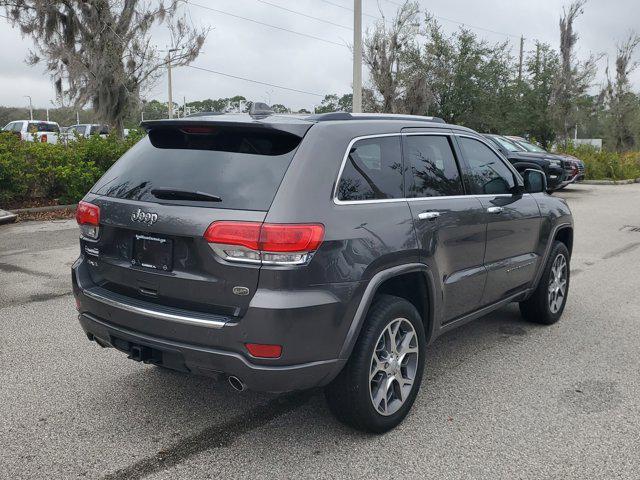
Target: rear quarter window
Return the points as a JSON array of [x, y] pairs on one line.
[[242, 166], [372, 170]]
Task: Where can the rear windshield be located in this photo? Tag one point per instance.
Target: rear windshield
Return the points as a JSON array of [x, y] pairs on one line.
[[43, 127], [241, 166]]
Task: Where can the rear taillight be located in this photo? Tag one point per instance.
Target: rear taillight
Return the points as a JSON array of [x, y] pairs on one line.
[[43, 138], [88, 218], [266, 243]]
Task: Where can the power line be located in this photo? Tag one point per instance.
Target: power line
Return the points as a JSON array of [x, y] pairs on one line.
[[475, 27], [305, 15], [464, 24], [266, 24], [350, 9], [255, 81]]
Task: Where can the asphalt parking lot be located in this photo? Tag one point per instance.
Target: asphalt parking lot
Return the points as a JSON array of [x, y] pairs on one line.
[[501, 398]]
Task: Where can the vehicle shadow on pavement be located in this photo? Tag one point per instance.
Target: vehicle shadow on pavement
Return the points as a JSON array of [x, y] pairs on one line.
[[197, 414]]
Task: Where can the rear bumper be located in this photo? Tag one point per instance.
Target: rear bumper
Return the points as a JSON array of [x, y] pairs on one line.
[[311, 326], [212, 362]]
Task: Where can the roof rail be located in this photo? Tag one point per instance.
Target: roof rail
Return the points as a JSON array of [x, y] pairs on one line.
[[333, 116], [204, 114]]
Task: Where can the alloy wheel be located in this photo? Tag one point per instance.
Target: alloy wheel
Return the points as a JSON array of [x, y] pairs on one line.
[[393, 366], [557, 283]]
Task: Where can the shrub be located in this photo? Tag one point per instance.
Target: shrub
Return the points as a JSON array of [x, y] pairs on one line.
[[32, 170], [601, 164]]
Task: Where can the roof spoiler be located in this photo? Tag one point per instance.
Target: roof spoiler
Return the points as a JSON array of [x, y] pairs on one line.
[[265, 122]]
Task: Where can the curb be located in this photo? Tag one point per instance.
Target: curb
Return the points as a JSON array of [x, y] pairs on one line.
[[610, 182], [52, 208], [7, 217]]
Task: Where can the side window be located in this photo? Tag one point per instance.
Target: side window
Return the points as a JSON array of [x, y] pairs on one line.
[[373, 170], [17, 127], [8, 127], [431, 168], [488, 174]]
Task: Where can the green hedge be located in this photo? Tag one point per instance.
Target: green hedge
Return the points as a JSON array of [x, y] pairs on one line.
[[603, 165], [30, 171]]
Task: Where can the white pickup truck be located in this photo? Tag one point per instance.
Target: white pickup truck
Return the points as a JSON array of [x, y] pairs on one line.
[[34, 130]]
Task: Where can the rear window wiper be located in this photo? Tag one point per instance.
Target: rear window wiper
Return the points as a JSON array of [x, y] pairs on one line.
[[179, 194]]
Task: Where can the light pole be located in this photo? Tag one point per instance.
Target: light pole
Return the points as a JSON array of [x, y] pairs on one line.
[[357, 56], [30, 107], [169, 81]]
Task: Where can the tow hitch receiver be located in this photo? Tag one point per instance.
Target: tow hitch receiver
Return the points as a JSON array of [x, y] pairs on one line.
[[139, 353]]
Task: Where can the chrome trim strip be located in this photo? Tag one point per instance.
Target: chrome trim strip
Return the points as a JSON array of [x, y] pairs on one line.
[[342, 165], [337, 201], [199, 322]]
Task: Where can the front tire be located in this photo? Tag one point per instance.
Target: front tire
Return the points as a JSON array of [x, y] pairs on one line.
[[377, 387], [547, 302]]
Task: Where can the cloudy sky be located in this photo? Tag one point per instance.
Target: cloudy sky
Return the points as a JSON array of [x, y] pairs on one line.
[[320, 65]]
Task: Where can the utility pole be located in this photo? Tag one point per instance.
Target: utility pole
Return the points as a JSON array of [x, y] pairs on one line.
[[47, 114], [357, 56], [170, 105], [169, 81], [521, 59], [77, 117], [30, 107]]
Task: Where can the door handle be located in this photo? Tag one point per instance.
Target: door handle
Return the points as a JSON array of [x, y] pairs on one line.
[[495, 210], [428, 215]]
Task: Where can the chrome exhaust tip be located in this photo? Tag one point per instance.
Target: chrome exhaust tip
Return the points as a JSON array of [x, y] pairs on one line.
[[236, 383]]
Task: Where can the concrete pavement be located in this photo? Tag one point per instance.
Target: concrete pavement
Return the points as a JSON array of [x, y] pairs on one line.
[[501, 398]]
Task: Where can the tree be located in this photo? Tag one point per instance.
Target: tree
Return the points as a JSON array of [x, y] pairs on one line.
[[389, 53], [279, 108], [472, 82], [623, 106], [574, 78], [100, 52], [534, 117]]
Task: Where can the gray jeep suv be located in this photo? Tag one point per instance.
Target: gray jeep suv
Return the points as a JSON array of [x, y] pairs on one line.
[[286, 252]]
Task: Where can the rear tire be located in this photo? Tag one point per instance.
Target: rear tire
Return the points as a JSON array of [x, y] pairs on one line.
[[547, 302], [378, 385]]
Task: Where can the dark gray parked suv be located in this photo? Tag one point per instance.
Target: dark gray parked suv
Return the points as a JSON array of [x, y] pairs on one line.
[[285, 253]]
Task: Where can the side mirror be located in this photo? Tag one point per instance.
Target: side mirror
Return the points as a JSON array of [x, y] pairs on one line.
[[535, 181]]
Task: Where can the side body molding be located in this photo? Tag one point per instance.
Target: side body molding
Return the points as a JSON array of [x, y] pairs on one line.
[[365, 302]]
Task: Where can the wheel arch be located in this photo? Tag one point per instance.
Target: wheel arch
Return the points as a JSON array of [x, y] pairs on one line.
[[413, 282], [564, 234]]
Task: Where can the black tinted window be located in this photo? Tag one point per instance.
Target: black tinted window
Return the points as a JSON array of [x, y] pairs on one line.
[[99, 129], [244, 170], [431, 167], [373, 170], [488, 174], [43, 127]]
